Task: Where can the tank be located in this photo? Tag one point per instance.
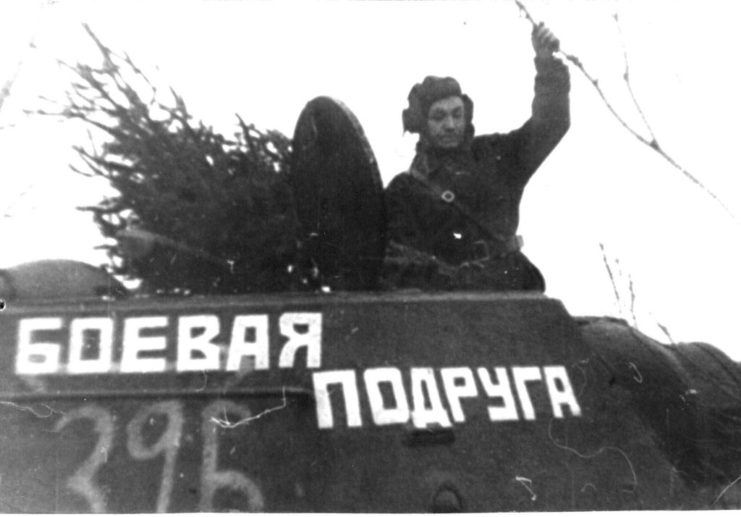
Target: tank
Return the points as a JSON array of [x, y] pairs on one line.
[[349, 398], [372, 402]]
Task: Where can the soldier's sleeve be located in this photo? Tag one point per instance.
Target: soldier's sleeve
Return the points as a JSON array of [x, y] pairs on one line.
[[550, 111], [530, 145]]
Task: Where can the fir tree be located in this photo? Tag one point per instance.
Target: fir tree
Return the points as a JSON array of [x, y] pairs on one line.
[[195, 212]]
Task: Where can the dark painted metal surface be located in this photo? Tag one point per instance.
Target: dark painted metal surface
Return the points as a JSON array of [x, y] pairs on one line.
[[330, 409], [339, 195], [57, 279]]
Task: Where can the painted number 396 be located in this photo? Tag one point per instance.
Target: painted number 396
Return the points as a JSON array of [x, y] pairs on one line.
[[83, 483]]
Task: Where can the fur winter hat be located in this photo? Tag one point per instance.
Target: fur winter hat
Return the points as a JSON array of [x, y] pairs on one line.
[[424, 94]]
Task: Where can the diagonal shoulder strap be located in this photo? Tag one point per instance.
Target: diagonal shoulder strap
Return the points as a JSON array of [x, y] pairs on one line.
[[449, 197]]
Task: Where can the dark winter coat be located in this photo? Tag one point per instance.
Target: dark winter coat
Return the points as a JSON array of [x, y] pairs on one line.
[[487, 176]]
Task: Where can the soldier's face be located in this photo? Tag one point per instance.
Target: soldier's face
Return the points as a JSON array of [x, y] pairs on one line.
[[446, 122]]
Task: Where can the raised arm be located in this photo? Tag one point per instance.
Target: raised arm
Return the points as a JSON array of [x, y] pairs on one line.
[[523, 150], [550, 110]]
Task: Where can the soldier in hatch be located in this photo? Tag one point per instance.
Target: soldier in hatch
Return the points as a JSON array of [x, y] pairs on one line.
[[454, 213]]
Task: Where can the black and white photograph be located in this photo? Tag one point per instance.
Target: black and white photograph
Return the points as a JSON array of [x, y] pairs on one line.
[[364, 256]]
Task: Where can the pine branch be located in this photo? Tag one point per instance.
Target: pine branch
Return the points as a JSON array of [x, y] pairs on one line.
[[206, 214], [651, 141], [7, 87], [610, 274]]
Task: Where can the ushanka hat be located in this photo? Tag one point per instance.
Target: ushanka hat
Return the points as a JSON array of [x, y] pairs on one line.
[[424, 94]]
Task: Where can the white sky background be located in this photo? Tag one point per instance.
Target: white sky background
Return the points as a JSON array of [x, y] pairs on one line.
[[265, 60]]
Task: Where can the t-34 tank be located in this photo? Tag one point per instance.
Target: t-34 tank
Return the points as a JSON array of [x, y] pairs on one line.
[[353, 400]]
